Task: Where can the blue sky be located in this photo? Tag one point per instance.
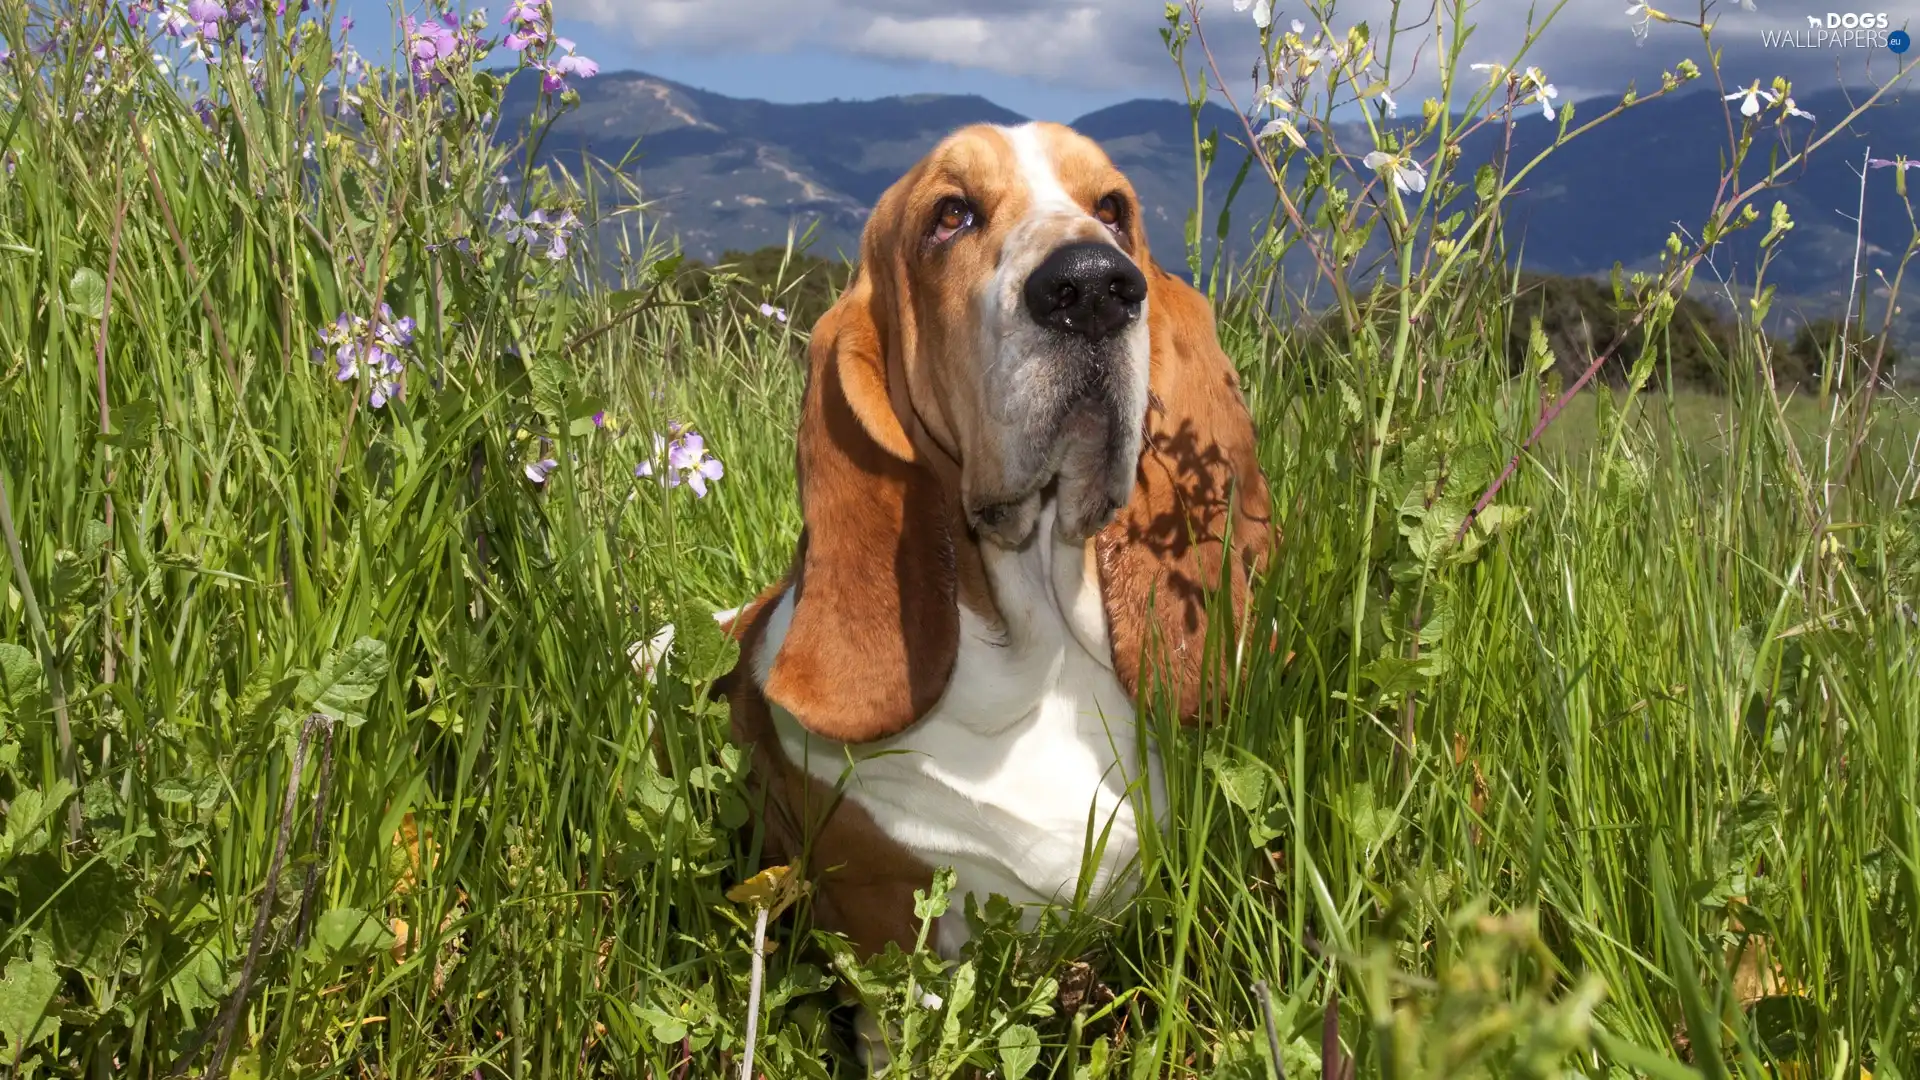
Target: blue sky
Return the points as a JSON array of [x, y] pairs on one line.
[[1059, 59], [809, 71]]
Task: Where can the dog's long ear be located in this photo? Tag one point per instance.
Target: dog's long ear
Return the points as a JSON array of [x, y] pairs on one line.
[[876, 622], [1199, 500]]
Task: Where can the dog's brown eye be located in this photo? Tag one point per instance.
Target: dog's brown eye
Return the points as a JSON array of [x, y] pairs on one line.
[[955, 215], [1108, 210]]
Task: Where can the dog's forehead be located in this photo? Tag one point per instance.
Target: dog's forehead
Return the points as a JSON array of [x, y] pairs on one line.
[[1039, 161]]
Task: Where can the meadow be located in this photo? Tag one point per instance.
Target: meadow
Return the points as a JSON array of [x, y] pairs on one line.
[[350, 484]]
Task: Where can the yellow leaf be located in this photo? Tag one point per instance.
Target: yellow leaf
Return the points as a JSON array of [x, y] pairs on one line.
[[774, 889], [414, 845], [401, 932]]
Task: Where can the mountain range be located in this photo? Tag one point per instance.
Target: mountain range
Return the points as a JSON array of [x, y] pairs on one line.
[[730, 174]]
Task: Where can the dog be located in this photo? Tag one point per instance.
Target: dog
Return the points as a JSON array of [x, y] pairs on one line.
[[1024, 461]]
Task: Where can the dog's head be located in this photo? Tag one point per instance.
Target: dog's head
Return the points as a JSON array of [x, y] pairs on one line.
[[1008, 284], [1006, 340]]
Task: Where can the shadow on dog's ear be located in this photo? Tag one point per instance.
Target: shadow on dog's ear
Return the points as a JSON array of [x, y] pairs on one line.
[[1200, 511]]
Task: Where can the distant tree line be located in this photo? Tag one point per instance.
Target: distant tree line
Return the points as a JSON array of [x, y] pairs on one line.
[[1578, 318]]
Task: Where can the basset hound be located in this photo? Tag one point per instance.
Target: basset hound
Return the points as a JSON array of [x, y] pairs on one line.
[[1023, 461]]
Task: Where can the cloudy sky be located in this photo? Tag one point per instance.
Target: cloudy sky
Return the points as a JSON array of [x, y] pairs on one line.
[[1057, 59]]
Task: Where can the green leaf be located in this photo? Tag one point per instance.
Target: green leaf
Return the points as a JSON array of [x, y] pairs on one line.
[[1486, 183], [348, 934], [29, 814], [349, 678], [200, 982], [662, 269], [1394, 677], [932, 903], [663, 1026], [173, 790], [1370, 823], [549, 373], [19, 679], [26, 993], [1492, 521], [1019, 1051], [959, 999], [87, 293], [130, 425], [89, 913], [1244, 785]]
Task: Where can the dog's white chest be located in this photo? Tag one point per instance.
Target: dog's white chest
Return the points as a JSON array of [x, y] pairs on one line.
[[1027, 762]]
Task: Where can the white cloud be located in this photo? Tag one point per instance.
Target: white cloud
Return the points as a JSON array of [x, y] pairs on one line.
[[1047, 39], [1113, 46], [1055, 46]]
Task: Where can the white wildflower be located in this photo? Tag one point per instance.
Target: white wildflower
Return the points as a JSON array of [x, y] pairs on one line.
[[1752, 99], [1407, 174], [1283, 128]]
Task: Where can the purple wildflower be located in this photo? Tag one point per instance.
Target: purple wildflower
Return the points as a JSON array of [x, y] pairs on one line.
[[435, 47], [683, 461], [553, 74], [1899, 164], [207, 15], [530, 25], [537, 230], [518, 228], [537, 471], [378, 350], [557, 236], [771, 312]]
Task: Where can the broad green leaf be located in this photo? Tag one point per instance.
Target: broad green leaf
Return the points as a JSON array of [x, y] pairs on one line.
[[348, 934], [27, 818], [1240, 1056], [1019, 1051], [19, 678], [959, 1000], [130, 425], [551, 377], [1244, 785], [173, 790], [662, 1025], [200, 982], [26, 997], [87, 293], [349, 678], [1394, 676], [1492, 521], [1370, 822], [89, 913]]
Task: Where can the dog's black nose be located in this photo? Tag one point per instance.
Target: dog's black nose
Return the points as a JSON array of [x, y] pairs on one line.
[[1089, 289]]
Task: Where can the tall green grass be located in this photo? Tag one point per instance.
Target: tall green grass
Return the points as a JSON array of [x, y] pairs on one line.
[[322, 752]]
